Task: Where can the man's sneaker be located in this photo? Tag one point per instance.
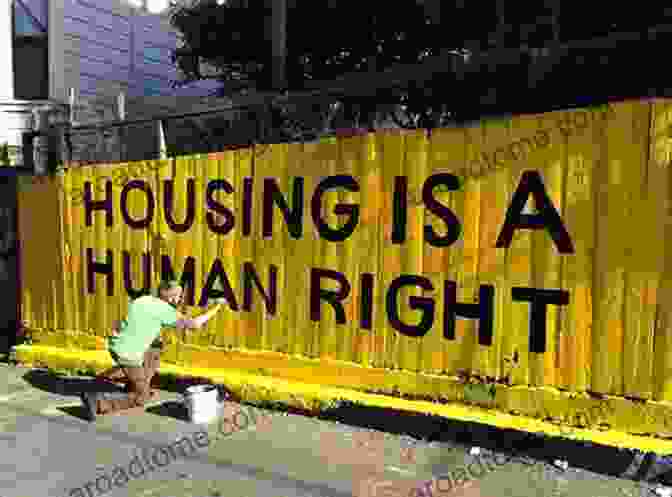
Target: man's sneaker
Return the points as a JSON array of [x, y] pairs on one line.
[[90, 401]]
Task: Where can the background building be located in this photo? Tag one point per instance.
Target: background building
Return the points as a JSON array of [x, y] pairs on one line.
[[94, 50]]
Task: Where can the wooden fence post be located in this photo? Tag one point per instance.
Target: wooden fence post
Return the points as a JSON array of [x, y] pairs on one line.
[[161, 140], [121, 116], [68, 129]]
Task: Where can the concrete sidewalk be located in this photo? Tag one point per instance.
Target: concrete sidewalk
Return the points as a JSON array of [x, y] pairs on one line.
[[310, 390], [49, 450]]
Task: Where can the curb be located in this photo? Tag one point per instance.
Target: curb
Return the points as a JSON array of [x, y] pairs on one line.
[[317, 400]]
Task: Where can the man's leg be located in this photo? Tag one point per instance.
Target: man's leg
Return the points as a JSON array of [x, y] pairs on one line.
[[115, 375], [137, 396], [152, 362], [153, 358], [151, 365]]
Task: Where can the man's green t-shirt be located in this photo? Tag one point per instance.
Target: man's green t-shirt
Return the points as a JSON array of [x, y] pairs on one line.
[[146, 316]]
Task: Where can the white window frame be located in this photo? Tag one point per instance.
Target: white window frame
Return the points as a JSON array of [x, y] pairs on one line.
[[55, 51], [146, 4]]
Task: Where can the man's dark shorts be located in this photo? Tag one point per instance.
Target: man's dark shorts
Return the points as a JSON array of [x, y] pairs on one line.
[[124, 362]]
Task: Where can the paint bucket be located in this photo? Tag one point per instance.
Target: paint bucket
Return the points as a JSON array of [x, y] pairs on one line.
[[202, 403]]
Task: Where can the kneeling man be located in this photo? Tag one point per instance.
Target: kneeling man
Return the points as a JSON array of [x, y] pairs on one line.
[[146, 316]]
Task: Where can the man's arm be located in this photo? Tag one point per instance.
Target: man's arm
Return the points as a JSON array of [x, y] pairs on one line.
[[198, 321], [116, 326]]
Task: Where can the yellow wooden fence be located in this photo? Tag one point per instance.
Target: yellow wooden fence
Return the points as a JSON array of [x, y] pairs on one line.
[[605, 170]]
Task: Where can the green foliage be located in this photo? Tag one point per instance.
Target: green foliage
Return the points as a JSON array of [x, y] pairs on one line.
[[4, 155], [329, 38], [325, 40], [479, 393], [228, 37], [69, 372]]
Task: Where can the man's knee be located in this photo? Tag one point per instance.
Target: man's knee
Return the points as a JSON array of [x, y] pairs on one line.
[[139, 400], [136, 378], [139, 392]]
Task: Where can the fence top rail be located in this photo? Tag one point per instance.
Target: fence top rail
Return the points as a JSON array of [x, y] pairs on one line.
[[259, 102]]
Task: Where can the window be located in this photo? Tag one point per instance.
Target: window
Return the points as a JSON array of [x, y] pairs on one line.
[[151, 6], [157, 6], [31, 63]]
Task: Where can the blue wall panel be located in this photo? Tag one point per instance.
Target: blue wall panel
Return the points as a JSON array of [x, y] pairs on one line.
[[134, 50]]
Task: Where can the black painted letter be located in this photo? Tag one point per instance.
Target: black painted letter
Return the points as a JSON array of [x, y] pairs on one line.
[[539, 298], [146, 271], [344, 181], [452, 223], [333, 297], [98, 205], [169, 199], [426, 304], [186, 280], [548, 217], [144, 187], [366, 301], [483, 311], [400, 209], [271, 298], [247, 206], [218, 184], [105, 268], [208, 292], [293, 217]]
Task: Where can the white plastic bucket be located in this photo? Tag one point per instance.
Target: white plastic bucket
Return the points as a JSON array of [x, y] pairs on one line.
[[202, 403]]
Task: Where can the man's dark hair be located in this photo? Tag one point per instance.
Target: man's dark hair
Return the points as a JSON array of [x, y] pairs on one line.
[[166, 285]]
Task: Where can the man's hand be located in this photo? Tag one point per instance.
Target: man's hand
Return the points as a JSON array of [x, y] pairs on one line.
[[116, 326], [198, 321]]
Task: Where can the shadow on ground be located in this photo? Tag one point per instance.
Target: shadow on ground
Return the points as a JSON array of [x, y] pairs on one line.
[[601, 459], [74, 411], [51, 382], [64, 385], [170, 409], [598, 459]]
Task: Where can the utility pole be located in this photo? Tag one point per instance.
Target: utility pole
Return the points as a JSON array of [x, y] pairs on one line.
[[433, 9], [6, 51], [279, 44], [121, 131]]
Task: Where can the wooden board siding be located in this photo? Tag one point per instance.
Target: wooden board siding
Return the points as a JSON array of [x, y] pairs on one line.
[[595, 164]]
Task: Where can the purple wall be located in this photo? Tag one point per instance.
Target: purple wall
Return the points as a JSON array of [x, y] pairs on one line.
[[110, 47], [38, 9]]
